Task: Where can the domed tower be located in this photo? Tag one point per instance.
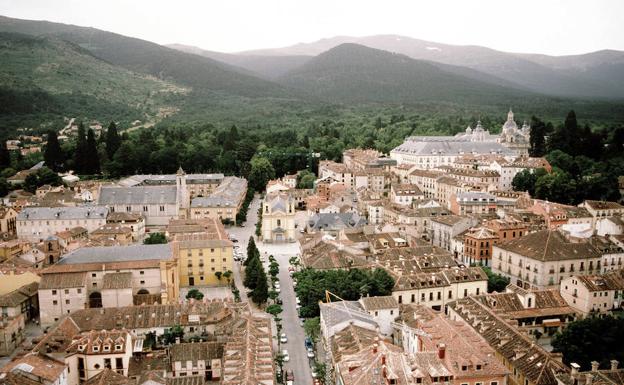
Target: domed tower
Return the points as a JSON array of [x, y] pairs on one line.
[[510, 126]]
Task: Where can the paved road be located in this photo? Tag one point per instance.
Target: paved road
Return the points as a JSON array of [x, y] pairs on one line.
[[299, 362]]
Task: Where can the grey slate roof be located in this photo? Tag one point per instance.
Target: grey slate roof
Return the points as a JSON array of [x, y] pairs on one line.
[[337, 220], [169, 179], [104, 254], [137, 195], [56, 213], [335, 313], [228, 194], [449, 145]]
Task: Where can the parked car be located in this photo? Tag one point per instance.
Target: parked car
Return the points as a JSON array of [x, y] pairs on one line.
[[285, 355], [314, 373], [301, 321], [290, 377], [308, 343], [283, 338], [279, 301], [310, 353]]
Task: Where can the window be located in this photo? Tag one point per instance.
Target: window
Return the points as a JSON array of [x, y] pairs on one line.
[[477, 291], [106, 348], [161, 209], [141, 272], [79, 290], [93, 275], [96, 348], [128, 208], [118, 362], [53, 292], [494, 383], [94, 284], [142, 282], [55, 302], [118, 347], [145, 208], [478, 368], [66, 302], [450, 294]]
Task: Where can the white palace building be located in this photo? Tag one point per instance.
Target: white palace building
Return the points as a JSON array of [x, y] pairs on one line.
[[433, 151]]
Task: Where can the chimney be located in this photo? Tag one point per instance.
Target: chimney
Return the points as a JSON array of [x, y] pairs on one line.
[[594, 365], [614, 364], [375, 348], [575, 369], [384, 372], [441, 351], [589, 378]]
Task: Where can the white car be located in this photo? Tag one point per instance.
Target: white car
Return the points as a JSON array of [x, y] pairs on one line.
[[285, 356], [283, 338], [278, 290], [298, 300], [310, 353]]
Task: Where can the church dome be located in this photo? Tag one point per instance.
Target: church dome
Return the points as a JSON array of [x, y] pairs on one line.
[[510, 125]]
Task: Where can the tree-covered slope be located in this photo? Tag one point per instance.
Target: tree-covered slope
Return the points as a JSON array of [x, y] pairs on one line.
[[48, 78], [354, 73], [201, 73]]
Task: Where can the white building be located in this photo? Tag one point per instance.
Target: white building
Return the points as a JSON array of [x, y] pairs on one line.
[[38, 223], [594, 294], [278, 218]]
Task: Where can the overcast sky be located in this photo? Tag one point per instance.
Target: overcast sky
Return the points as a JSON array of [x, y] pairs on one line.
[[542, 26]]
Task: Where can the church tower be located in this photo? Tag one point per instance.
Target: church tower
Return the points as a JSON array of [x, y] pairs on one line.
[[182, 195]]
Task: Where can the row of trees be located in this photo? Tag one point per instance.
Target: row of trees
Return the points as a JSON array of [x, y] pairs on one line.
[[255, 276], [346, 284]]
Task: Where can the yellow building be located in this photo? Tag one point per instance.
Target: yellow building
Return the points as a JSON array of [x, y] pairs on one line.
[[204, 257]]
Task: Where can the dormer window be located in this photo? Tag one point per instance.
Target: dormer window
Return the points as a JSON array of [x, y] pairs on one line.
[[81, 348], [106, 348], [118, 347], [96, 348], [478, 367]]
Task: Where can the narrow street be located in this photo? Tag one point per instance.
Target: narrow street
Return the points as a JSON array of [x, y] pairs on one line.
[[299, 362]]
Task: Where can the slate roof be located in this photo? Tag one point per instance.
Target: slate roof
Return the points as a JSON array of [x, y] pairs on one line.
[[448, 145], [136, 180], [336, 313], [336, 221], [104, 254], [228, 194], [111, 195], [61, 213], [549, 245]]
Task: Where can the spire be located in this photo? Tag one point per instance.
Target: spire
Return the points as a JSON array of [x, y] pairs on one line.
[[180, 171], [510, 115]]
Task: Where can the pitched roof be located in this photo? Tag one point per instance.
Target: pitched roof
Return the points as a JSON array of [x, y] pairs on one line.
[[379, 303], [117, 280], [549, 245], [62, 280], [137, 195], [108, 377], [104, 254], [62, 213], [37, 364], [199, 351]]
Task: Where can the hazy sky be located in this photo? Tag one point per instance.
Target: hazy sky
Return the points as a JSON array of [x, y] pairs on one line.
[[541, 26]]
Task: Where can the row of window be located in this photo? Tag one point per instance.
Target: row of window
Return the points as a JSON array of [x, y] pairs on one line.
[[438, 296]]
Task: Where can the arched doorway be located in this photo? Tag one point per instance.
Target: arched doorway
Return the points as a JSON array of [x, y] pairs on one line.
[[143, 291], [95, 299]]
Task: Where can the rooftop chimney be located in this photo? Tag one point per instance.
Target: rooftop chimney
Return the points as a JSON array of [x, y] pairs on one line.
[[575, 369], [375, 348], [594, 365], [589, 378], [614, 364], [441, 351]]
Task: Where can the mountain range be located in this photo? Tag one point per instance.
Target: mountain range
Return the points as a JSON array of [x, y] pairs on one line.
[[52, 69], [593, 75]]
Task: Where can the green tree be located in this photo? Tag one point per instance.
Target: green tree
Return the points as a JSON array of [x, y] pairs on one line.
[[4, 187], [5, 156], [195, 294], [113, 140], [252, 251], [496, 282], [305, 179], [274, 309], [93, 162], [42, 176], [155, 239], [81, 153], [566, 138], [218, 274], [537, 138], [312, 328], [53, 154], [591, 339], [261, 172], [260, 293], [170, 335], [227, 275], [274, 269], [252, 270]]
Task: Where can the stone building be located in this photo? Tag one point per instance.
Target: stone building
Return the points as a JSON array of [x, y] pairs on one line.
[[278, 218], [38, 223]]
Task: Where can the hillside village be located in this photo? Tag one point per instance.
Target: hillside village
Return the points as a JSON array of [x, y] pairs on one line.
[[147, 279]]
